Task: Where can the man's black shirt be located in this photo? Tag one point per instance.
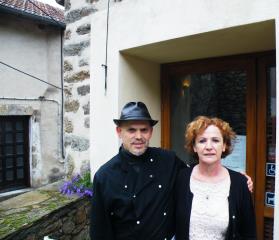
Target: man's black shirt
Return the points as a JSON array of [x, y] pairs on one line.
[[135, 204]]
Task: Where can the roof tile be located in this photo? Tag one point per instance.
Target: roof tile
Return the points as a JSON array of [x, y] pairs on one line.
[[34, 7]]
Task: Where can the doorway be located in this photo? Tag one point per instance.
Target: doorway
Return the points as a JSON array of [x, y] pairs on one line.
[[14, 153], [240, 90]]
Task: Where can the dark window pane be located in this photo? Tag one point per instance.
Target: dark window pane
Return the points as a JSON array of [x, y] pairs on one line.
[[19, 162], [20, 173], [8, 126], [9, 175], [1, 177], [19, 149], [215, 94], [19, 137], [271, 114], [9, 162], [8, 150], [9, 138], [19, 125]]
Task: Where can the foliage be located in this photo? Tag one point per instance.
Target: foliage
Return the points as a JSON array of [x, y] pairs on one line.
[[78, 184]]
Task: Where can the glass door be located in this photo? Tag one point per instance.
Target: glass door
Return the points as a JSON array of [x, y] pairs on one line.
[[224, 88], [218, 94]]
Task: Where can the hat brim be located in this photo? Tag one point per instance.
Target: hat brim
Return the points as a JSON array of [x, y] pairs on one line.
[[151, 121]]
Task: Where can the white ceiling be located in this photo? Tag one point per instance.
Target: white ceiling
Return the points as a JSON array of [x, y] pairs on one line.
[[249, 38]]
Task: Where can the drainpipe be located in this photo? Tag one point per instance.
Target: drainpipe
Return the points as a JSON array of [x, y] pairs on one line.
[[62, 94]]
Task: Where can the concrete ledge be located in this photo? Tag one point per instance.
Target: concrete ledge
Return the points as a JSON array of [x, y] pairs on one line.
[[6, 195]]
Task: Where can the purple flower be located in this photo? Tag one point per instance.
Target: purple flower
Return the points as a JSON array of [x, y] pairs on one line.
[[78, 184]]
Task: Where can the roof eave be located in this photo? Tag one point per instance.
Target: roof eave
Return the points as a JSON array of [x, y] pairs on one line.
[[41, 19]]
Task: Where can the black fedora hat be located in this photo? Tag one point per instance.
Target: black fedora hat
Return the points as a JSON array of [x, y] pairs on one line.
[[134, 111]]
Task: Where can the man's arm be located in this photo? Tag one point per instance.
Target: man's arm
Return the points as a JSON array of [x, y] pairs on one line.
[[247, 224], [249, 182], [100, 225]]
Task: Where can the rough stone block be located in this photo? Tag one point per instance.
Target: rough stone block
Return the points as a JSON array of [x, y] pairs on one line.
[[68, 227], [83, 90], [67, 66], [77, 143], [83, 62], [75, 49], [87, 122], [77, 77], [77, 14], [86, 108], [71, 106], [68, 126], [84, 29], [67, 34]]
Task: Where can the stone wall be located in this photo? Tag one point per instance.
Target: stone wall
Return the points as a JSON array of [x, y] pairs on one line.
[[44, 212], [77, 80], [70, 222]]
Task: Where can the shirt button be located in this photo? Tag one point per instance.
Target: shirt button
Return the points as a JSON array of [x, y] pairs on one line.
[[138, 222], [134, 196], [111, 213], [233, 217], [125, 186], [165, 214], [151, 160], [151, 176], [159, 186]]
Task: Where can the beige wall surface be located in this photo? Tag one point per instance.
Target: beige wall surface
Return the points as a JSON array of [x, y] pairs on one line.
[[139, 81], [36, 50]]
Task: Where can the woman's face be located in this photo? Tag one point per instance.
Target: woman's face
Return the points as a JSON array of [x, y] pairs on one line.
[[209, 145]]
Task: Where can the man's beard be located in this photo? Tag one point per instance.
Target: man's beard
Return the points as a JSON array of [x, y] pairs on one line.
[[142, 151]]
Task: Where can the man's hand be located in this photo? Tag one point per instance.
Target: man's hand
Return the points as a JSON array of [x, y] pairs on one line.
[[249, 182]]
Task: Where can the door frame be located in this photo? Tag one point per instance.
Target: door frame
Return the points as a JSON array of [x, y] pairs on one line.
[[256, 100], [262, 211]]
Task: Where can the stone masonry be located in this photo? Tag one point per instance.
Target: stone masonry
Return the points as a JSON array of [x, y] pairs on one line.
[[77, 80]]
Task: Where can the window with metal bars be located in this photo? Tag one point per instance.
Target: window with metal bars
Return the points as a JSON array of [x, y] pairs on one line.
[[14, 153]]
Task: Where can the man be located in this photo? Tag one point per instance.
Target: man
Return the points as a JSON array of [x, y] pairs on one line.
[[133, 192]]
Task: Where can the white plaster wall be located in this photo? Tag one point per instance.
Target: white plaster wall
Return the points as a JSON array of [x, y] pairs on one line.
[[32, 50], [136, 23]]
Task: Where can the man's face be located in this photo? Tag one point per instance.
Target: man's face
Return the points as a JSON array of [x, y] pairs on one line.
[[135, 136]]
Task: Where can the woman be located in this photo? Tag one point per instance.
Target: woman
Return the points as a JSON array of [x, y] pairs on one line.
[[212, 202]]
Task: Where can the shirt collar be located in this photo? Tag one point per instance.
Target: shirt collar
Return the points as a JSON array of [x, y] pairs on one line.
[[127, 156]]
